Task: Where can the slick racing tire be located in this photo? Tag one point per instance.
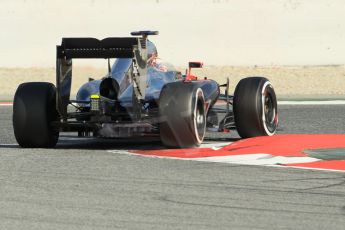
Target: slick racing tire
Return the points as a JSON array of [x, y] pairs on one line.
[[255, 108], [33, 112], [182, 115]]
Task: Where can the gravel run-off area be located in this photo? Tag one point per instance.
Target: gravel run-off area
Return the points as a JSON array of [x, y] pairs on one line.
[[290, 82]]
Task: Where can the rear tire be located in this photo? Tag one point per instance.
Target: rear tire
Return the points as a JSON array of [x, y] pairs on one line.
[[33, 112], [255, 108], [182, 114]]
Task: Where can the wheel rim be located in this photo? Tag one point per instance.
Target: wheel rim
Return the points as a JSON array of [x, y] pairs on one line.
[[269, 109], [269, 105], [199, 116]]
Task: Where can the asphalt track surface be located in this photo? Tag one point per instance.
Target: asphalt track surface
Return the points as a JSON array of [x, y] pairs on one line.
[[80, 185]]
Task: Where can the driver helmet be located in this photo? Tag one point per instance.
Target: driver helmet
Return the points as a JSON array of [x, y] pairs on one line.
[[151, 49]]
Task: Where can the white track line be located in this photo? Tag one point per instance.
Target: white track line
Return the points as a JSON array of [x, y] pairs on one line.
[[257, 159], [325, 102], [260, 159], [214, 145], [318, 169]]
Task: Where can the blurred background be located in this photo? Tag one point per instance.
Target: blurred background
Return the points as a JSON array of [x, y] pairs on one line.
[[220, 32], [293, 39]]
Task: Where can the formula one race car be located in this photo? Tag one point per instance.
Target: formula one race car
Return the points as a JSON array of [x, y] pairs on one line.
[[138, 97]]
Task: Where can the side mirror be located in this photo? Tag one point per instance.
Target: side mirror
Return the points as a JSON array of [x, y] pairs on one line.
[[191, 65], [195, 64]]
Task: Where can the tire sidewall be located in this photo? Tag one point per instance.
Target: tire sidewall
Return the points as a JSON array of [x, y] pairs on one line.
[[267, 88], [199, 98], [33, 112], [178, 106], [248, 107]]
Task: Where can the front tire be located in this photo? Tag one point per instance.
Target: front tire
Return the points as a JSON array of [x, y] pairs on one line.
[[182, 114], [255, 107], [33, 112]]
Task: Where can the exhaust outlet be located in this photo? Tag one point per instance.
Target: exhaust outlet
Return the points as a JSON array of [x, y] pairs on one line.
[[109, 88]]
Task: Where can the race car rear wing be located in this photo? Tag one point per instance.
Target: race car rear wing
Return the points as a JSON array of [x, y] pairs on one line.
[[114, 47], [94, 48]]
